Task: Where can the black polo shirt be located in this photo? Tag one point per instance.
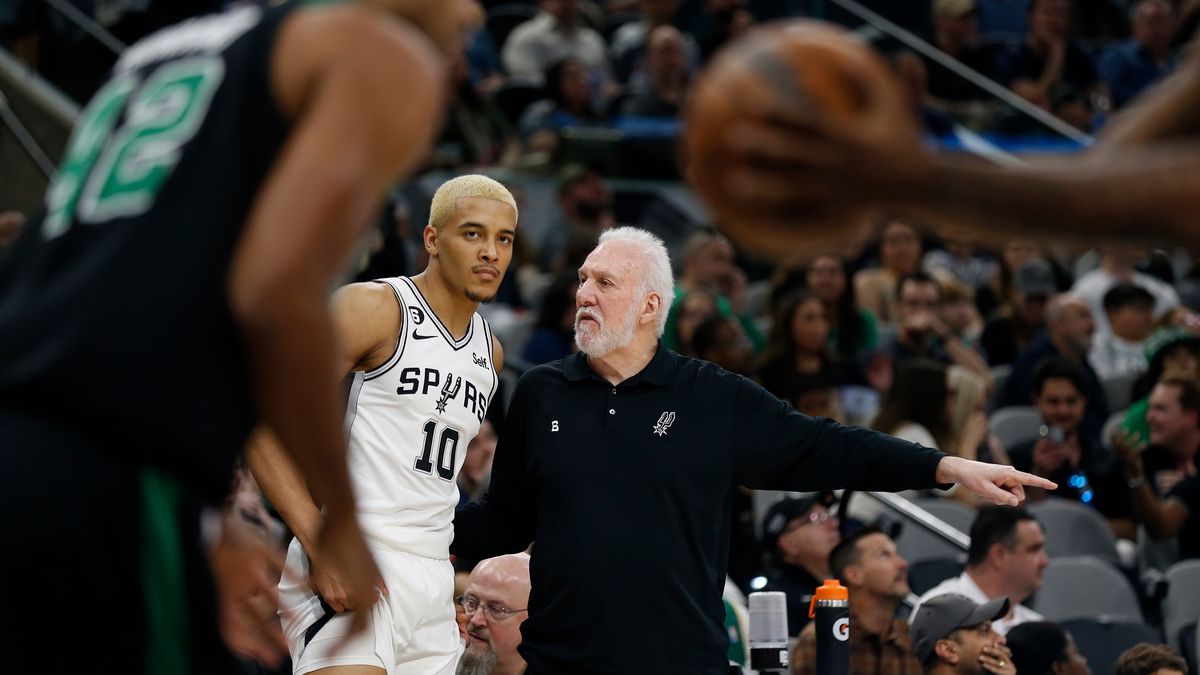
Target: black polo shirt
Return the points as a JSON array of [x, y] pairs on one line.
[[626, 491]]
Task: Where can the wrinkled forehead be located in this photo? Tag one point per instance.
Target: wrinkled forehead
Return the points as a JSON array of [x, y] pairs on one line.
[[616, 259]]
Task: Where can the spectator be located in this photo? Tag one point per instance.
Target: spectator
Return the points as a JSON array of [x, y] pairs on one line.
[[1069, 330], [727, 19], [629, 42], [920, 331], [556, 34], [1005, 561], [958, 312], [708, 262], [1131, 66], [952, 634], [1119, 351], [968, 414], [1044, 648], [1017, 252], [1148, 659], [495, 601], [666, 78], [815, 396], [797, 346], [956, 32], [1169, 351], [554, 333], [957, 259], [568, 102], [914, 77], [11, 224], [484, 69], [1063, 454], [852, 331], [695, 307], [1015, 324], [1174, 423], [477, 466], [1050, 60], [1117, 266], [722, 340], [919, 409], [899, 255], [475, 132], [876, 576], [586, 200], [800, 533]]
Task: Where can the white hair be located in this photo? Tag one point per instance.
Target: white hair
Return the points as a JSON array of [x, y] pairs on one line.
[[655, 266]]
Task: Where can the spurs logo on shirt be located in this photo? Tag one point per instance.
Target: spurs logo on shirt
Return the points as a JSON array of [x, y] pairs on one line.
[[410, 421]]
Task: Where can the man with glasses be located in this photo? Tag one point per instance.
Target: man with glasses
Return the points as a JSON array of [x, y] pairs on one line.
[[496, 604], [921, 334], [800, 534]]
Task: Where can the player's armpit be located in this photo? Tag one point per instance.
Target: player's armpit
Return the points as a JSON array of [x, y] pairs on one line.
[[367, 322]]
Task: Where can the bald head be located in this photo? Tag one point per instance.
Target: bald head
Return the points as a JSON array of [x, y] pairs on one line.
[[665, 56], [506, 570], [499, 591], [1070, 324]]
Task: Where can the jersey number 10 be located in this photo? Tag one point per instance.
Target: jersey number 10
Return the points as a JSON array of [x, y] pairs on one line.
[[447, 451]]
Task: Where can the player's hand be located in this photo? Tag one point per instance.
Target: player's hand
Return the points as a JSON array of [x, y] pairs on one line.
[[996, 483], [997, 659], [343, 571], [246, 566]]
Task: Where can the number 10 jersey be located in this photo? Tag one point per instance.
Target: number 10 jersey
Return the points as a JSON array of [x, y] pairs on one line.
[[410, 421]]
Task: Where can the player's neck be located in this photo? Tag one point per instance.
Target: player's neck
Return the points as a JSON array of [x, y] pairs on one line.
[[452, 308], [621, 364]]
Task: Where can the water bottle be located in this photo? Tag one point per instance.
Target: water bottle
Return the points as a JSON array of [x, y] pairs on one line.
[[830, 609], [768, 632]]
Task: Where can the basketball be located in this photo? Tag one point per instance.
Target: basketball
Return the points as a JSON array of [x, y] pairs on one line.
[[807, 64]]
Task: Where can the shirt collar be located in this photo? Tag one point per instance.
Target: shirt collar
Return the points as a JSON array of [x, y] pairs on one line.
[[657, 372]]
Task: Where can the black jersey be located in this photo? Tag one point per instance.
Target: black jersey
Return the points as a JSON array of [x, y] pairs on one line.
[[114, 314]]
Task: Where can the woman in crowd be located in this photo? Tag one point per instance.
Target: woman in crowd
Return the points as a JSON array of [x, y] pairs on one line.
[[797, 347], [899, 254], [568, 103]]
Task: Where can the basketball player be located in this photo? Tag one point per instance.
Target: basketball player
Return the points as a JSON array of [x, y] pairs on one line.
[[424, 368], [1141, 180], [173, 293]]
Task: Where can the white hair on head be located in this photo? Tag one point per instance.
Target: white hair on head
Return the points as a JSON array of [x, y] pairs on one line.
[[655, 266]]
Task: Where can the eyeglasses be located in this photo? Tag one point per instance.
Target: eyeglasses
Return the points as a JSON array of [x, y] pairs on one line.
[[494, 612], [815, 518]]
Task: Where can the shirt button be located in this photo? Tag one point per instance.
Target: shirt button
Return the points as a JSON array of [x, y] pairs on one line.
[[612, 412], [614, 390]]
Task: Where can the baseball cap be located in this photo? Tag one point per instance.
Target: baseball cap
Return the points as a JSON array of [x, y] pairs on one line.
[[955, 8], [1034, 277], [785, 511], [940, 616]]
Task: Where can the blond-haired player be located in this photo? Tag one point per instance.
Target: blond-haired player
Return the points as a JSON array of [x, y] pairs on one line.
[[424, 367]]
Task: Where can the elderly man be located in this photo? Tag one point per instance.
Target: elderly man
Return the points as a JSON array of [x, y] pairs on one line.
[[621, 462], [496, 603], [800, 534]]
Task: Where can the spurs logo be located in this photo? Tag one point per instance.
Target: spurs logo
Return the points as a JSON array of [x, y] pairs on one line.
[[479, 360], [665, 421], [449, 391]]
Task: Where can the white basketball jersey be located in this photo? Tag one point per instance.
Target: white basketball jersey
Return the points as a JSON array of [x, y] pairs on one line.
[[410, 421]]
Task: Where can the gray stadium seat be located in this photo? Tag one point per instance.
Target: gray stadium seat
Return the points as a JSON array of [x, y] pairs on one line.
[[924, 575], [917, 544], [1118, 389], [1015, 425], [1182, 604], [1073, 529], [1086, 588], [1187, 647], [1103, 641]]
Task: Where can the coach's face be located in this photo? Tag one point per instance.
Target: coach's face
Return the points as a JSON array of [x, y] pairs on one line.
[[609, 300]]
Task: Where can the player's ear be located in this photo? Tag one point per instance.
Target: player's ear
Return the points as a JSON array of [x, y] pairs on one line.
[[429, 236]]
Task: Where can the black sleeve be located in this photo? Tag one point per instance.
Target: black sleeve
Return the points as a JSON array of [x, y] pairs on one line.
[[502, 520], [1187, 492], [778, 448]]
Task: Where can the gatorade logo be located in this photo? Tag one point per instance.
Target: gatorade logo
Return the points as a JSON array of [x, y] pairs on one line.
[[841, 629]]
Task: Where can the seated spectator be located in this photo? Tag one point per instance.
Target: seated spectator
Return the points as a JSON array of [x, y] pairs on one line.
[[722, 341], [475, 132], [1169, 351], [957, 259], [708, 262], [629, 42], [1013, 326], [1064, 455], [726, 19], [1044, 648], [919, 409], [484, 69], [899, 255], [1148, 659], [921, 333], [959, 314], [968, 414], [585, 199], [666, 78], [556, 34], [568, 103], [797, 347], [876, 576], [553, 335], [954, 635], [694, 308], [476, 470], [956, 32], [1050, 59], [799, 534], [1069, 330], [1117, 266], [1144, 59], [1129, 310], [1173, 420], [1016, 253], [1006, 561], [495, 603], [816, 397], [913, 76], [852, 332]]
